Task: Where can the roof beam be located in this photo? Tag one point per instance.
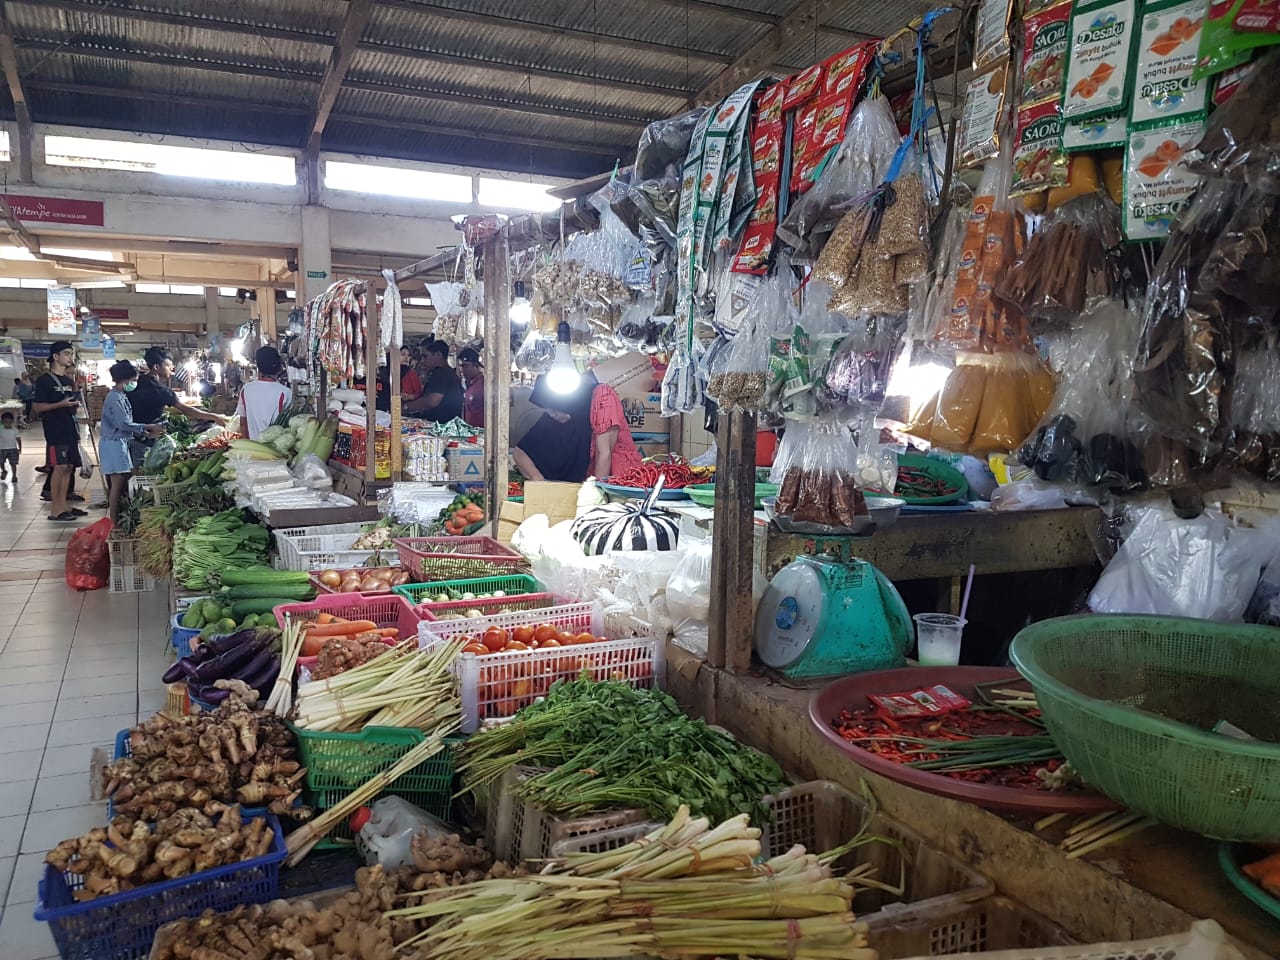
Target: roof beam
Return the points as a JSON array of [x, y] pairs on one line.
[[344, 49], [188, 21], [756, 59], [21, 111], [552, 30], [415, 93], [161, 96], [436, 129], [755, 16]]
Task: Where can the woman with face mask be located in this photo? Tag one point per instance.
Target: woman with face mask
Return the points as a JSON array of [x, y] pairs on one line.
[[118, 428]]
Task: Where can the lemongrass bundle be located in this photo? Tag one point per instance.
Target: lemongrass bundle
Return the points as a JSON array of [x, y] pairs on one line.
[[687, 889], [300, 842], [404, 687], [281, 700]]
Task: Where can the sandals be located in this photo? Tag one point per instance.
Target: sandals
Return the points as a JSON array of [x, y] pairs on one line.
[[65, 517]]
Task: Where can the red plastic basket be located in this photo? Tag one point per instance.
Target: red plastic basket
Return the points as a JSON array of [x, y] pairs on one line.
[[386, 610], [431, 559]]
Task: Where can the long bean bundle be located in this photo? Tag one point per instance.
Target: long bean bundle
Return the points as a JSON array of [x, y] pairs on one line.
[[686, 890]]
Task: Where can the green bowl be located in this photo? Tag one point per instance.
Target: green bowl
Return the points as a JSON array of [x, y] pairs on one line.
[[938, 470], [704, 494]]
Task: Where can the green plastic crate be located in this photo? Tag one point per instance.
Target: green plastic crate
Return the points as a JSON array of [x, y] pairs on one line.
[[1131, 701], [513, 585]]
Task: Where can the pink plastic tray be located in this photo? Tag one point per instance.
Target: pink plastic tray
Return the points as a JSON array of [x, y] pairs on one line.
[[854, 690]]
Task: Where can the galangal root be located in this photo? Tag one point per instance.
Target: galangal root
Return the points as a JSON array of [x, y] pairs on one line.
[[128, 853], [207, 762]]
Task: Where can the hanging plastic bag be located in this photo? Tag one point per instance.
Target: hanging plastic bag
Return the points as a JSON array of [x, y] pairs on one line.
[[815, 472], [88, 562], [688, 596], [1254, 441]]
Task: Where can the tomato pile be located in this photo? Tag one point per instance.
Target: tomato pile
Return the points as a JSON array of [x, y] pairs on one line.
[[506, 687], [676, 469]]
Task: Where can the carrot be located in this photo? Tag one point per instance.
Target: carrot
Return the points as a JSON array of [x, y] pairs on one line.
[[325, 618], [391, 632], [1260, 868], [342, 629]]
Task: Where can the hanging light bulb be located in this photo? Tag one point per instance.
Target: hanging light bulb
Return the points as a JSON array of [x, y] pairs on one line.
[[563, 377], [521, 309]]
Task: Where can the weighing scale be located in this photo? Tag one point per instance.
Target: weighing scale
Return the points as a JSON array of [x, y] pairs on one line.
[[821, 618]]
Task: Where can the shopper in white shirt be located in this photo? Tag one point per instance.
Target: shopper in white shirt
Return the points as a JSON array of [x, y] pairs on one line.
[[263, 400]]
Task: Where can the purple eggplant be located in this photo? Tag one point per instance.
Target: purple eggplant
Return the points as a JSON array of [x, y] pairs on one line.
[[224, 642], [260, 663], [174, 673], [232, 662], [265, 677], [213, 694]]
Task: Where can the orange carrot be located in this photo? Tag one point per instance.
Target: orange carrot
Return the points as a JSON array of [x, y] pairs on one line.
[[1260, 868], [391, 632], [343, 628], [325, 618]]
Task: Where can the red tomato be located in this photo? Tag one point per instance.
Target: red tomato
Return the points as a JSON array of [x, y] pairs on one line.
[[584, 637], [523, 634], [544, 632], [495, 638], [505, 708], [512, 644], [479, 649], [548, 643]]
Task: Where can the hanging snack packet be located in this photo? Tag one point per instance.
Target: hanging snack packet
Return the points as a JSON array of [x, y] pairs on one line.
[[991, 42], [1044, 52], [1228, 82], [1096, 134], [1102, 37], [1168, 44], [1224, 44], [1039, 161], [1257, 16], [1157, 185], [979, 135], [802, 87]]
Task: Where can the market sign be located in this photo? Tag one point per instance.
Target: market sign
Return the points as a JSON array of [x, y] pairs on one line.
[[85, 213], [61, 303], [111, 313], [91, 339]]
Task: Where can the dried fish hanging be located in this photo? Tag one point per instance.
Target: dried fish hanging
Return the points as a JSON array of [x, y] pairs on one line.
[[391, 316], [336, 326]]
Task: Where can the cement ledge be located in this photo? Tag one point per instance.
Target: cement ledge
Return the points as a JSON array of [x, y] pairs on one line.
[[1165, 879]]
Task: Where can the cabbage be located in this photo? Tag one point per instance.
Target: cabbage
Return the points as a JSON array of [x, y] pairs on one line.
[[296, 424], [270, 434]]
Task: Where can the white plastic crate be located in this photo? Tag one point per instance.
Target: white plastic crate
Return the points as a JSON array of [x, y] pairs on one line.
[[142, 483], [127, 575], [318, 548], [1204, 941], [499, 684]]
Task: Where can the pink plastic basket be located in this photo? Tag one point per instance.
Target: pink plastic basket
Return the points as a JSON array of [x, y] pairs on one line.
[[432, 559], [386, 610]]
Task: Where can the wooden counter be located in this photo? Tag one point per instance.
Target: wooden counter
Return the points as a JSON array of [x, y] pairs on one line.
[[1152, 884]]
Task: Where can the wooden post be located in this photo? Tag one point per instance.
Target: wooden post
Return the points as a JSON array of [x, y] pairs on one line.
[[732, 629], [370, 385], [496, 256], [393, 375]]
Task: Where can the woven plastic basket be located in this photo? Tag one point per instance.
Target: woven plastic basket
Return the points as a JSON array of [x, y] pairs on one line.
[[457, 558], [1131, 701], [1204, 941]]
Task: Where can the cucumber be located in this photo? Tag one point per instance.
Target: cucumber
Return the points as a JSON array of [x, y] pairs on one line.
[[262, 576], [294, 591], [259, 605]]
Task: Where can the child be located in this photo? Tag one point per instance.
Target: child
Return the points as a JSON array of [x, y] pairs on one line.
[[10, 446]]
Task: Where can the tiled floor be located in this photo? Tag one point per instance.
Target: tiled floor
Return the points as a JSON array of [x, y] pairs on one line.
[[74, 669]]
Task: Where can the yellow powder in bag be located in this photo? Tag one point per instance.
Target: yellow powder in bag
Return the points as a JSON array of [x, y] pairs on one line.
[[958, 406]]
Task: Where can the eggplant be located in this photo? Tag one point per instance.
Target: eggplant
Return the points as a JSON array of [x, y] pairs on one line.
[[230, 663], [265, 680], [199, 654], [213, 694], [189, 667], [229, 641], [174, 673], [260, 663]]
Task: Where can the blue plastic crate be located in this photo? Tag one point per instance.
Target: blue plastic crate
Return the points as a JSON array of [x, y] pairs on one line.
[[122, 926], [181, 636]]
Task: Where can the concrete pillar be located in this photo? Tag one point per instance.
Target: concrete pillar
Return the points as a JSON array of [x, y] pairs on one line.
[[267, 313], [315, 254], [212, 324]]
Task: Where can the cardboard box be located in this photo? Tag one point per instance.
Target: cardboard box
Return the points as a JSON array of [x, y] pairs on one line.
[[644, 413], [559, 501], [629, 374], [652, 444], [466, 462]]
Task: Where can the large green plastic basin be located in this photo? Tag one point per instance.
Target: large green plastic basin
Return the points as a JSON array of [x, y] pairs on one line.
[[1132, 700]]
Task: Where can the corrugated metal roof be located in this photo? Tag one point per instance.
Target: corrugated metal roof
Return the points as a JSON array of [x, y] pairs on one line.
[[559, 85]]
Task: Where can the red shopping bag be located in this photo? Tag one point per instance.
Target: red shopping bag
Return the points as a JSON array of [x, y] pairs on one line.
[[88, 565]]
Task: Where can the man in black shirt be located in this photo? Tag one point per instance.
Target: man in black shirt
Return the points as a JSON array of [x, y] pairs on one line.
[[441, 398], [153, 395], [56, 399]]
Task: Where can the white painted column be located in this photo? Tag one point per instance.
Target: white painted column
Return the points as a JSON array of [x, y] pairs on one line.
[[315, 254], [212, 325]]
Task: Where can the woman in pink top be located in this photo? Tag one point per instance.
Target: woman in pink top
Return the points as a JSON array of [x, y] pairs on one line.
[[582, 434]]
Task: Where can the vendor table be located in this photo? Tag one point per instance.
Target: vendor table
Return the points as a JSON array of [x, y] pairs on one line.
[[937, 545]]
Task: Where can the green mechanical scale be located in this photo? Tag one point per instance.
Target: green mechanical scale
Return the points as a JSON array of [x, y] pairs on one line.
[[823, 618]]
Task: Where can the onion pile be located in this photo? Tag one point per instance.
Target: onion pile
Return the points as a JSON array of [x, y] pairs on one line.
[[362, 579]]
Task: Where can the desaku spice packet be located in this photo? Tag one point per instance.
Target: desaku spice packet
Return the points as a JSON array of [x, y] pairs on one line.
[[1168, 44], [1100, 63]]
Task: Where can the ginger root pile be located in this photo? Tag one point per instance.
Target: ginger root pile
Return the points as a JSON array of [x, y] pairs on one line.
[[352, 928], [340, 654], [449, 854], [128, 853], [207, 762]]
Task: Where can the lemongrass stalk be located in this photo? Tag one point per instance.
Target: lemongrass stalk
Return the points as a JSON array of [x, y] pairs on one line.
[[1110, 838]]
